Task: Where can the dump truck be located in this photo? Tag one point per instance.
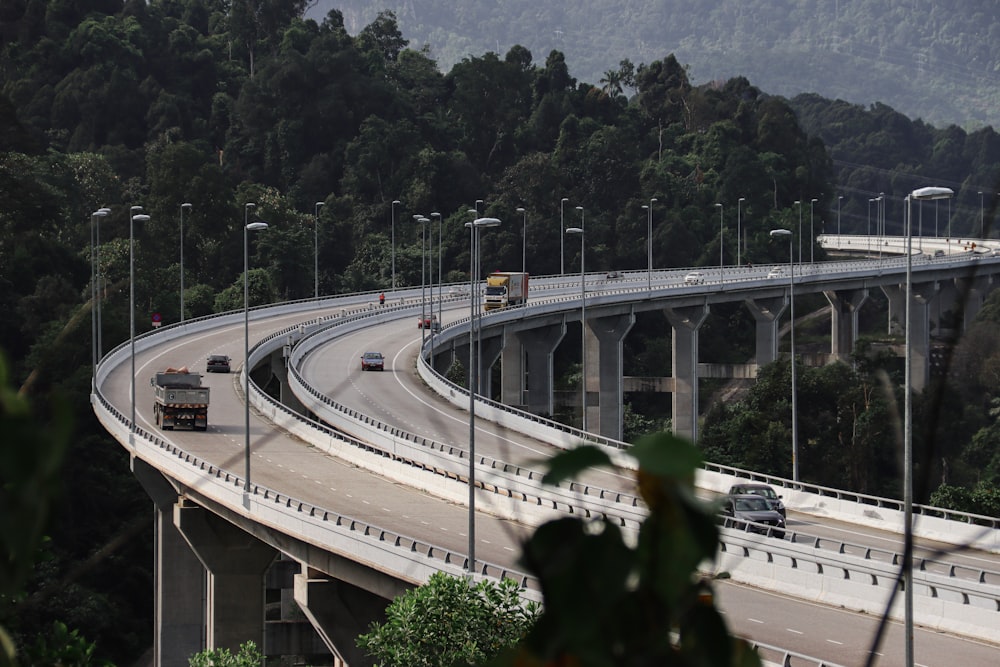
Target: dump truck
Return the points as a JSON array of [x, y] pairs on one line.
[[504, 288], [179, 399]]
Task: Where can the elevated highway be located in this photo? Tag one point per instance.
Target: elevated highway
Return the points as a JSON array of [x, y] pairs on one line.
[[364, 516]]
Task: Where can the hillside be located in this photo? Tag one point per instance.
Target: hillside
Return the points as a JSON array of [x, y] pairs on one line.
[[917, 56]]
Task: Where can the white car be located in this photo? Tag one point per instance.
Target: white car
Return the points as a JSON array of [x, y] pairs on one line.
[[776, 272], [694, 278]]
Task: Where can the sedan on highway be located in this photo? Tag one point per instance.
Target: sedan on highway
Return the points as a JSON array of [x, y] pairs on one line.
[[762, 490], [372, 361], [753, 514], [694, 278], [217, 363]]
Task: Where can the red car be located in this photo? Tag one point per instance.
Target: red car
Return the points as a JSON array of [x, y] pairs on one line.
[[372, 361], [429, 322]]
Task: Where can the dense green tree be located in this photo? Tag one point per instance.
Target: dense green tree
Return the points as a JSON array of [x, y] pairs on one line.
[[450, 621]]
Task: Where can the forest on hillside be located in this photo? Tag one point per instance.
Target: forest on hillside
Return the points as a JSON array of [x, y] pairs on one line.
[[218, 103], [927, 59]]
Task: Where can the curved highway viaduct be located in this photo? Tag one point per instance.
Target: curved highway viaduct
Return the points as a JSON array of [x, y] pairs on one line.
[[360, 522]]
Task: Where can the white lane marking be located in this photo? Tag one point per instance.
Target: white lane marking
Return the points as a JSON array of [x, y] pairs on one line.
[[834, 641], [794, 631], [754, 620]]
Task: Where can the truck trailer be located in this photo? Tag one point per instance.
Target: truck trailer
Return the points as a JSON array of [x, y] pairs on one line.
[[179, 399], [504, 289]]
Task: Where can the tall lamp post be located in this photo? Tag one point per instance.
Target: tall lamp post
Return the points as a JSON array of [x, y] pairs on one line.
[[649, 244], [982, 218], [247, 227], [131, 310], [921, 194], [184, 207], [395, 203], [779, 233], [798, 202], [812, 232], [474, 314], [437, 215], [95, 291], [100, 291], [583, 320], [316, 209], [721, 247], [739, 228], [524, 238], [423, 267], [562, 245], [839, 199]]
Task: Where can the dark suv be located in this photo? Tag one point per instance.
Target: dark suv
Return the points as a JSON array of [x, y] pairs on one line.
[[217, 363], [751, 513], [762, 490]]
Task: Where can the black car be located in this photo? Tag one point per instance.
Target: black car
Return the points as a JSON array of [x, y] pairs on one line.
[[762, 490], [217, 363], [752, 513], [372, 361]]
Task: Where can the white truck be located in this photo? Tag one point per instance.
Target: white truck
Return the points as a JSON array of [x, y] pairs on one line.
[[504, 289], [179, 399]]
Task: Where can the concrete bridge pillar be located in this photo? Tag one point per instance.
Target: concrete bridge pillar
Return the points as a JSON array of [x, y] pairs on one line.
[[608, 333], [970, 293], [279, 369], [490, 348], [236, 562], [767, 314], [178, 578], [923, 296], [528, 375], [339, 612], [845, 306], [685, 322]]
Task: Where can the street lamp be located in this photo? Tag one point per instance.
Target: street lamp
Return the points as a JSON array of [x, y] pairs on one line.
[[982, 219], [437, 215], [247, 227], [839, 198], [423, 266], [721, 237], [778, 233], [583, 321], [316, 208], [100, 295], [395, 203], [562, 227], [474, 315], [739, 227], [799, 203], [131, 309], [478, 202], [812, 232], [524, 239], [921, 194], [95, 291], [184, 206], [649, 244]]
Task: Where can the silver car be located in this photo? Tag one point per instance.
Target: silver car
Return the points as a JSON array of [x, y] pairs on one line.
[[751, 513]]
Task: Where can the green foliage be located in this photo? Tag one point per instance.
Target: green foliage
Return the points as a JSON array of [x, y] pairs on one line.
[[32, 450], [248, 656], [449, 621], [610, 603], [65, 648]]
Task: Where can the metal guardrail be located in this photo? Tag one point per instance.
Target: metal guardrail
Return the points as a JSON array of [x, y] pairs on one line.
[[360, 530]]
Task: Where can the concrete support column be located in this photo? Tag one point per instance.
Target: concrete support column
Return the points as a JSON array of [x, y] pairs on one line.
[[512, 372], [489, 352], [339, 612], [896, 296], [279, 369], [539, 347], [924, 295], [236, 562], [608, 332], [845, 306], [178, 578], [685, 322], [767, 314], [970, 293]]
